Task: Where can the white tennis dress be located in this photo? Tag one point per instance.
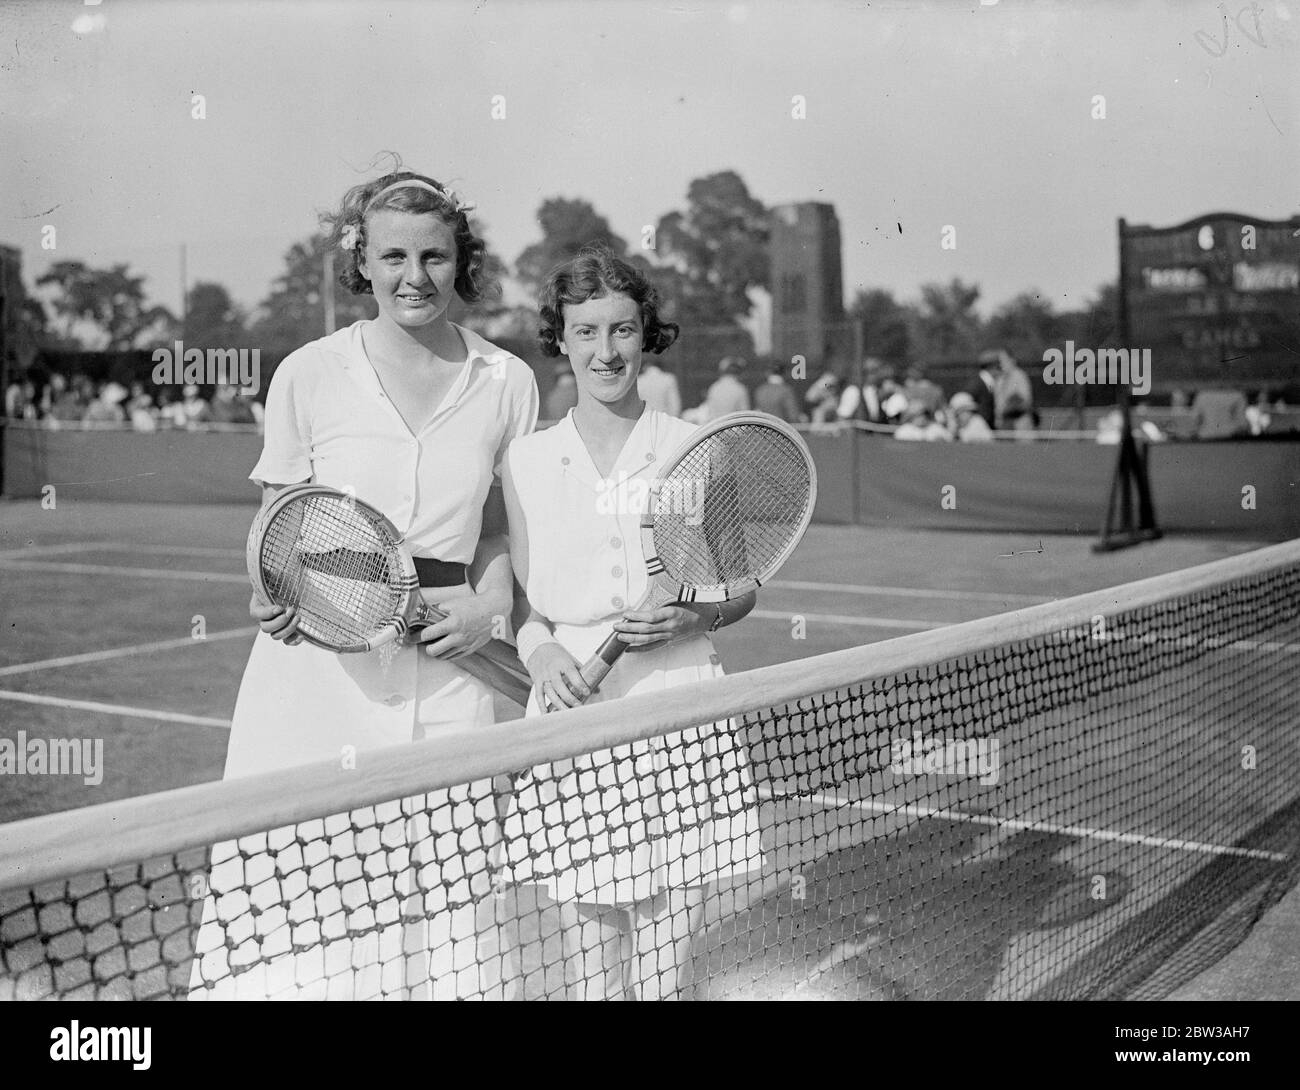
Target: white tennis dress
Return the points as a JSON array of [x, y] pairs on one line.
[[619, 825], [321, 915]]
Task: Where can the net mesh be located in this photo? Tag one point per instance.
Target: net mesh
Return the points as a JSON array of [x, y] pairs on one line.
[[325, 556], [733, 507], [1099, 809]]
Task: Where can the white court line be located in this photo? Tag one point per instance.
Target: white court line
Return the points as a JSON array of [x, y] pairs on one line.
[[123, 652], [857, 622], [172, 550], [113, 709], [1080, 831], [44, 550], [906, 592], [36, 552], [134, 573]]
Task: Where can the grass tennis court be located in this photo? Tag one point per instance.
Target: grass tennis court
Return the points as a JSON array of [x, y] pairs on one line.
[[103, 601]]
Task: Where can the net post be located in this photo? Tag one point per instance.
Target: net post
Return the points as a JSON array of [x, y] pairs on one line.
[[1131, 465]]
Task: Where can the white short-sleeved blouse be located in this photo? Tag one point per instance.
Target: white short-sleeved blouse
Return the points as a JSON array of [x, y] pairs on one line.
[[586, 526], [328, 419]]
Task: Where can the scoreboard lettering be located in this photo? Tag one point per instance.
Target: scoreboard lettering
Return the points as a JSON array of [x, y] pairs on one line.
[[1216, 299]]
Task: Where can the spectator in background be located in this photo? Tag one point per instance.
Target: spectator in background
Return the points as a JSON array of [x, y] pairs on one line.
[[893, 404], [1018, 417], [192, 409], [17, 400], [106, 408], [874, 376], [776, 398], [823, 398], [71, 402], [54, 386], [919, 425], [1257, 418], [563, 395], [228, 407], [1013, 397], [727, 394], [1219, 414], [140, 409], [658, 388], [919, 390], [981, 390], [860, 397], [33, 397], [965, 421], [849, 405]]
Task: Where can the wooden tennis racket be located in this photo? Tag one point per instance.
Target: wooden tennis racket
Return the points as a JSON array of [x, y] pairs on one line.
[[727, 511], [346, 570]]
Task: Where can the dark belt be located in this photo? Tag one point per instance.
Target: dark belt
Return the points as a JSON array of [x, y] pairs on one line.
[[439, 573]]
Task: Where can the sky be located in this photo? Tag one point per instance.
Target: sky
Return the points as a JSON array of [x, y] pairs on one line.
[[979, 116]]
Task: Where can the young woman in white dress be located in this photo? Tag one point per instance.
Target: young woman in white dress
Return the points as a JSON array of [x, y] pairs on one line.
[[626, 840], [413, 414]]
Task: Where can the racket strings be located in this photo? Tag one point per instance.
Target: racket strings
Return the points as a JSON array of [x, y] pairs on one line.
[[732, 508], [327, 558]]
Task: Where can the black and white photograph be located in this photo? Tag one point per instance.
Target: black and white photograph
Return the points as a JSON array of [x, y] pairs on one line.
[[651, 500]]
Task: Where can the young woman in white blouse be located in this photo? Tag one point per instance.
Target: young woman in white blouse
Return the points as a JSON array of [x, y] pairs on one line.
[[625, 840], [413, 414]]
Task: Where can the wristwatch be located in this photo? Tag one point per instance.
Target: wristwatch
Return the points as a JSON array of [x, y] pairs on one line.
[[717, 621]]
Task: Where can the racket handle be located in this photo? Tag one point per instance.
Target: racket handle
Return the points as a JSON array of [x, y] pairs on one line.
[[495, 677], [497, 652], [602, 662]]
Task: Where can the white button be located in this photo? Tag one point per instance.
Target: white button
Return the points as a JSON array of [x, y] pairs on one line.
[[650, 457], [616, 542], [616, 571], [617, 603], [564, 461]]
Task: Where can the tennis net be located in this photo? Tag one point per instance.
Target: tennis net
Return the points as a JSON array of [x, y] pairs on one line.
[[1094, 798]]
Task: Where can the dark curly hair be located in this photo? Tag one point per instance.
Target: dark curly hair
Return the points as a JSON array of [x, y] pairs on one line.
[[472, 279], [595, 272]]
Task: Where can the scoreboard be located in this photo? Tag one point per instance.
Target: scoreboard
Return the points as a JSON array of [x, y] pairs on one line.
[[1216, 299]]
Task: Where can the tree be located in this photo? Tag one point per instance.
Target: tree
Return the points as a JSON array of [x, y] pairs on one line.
[[1025, 327], [1097, 325], [293, 313], [946, 325], [112, 301], [212, 319], [567, 226], [884, 322], [718, 248]]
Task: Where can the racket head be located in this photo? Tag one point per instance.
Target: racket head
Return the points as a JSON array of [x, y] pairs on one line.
[[339, 561], [730, 506]]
